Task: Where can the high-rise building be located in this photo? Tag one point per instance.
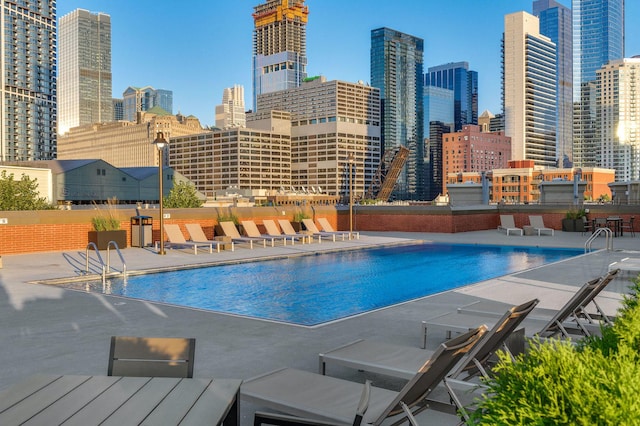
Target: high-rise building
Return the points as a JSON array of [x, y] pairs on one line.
[[529, 90], [555, 23], [231, 112], [84, 65], [137, 99], [618, 117], [279, 46], [329, 121], [598, 37], [28, 80], [118, 109], [464, 83], [397, 70], [439, 111]]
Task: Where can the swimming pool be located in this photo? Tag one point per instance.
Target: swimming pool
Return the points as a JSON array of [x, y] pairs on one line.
[[310, 290]]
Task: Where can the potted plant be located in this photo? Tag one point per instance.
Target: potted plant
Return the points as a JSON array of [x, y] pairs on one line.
[[573, 220], [106, 228], [297, 220]]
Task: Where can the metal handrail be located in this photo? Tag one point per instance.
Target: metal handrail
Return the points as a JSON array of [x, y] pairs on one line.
[[124, 265], [102, 264], [608, 242]]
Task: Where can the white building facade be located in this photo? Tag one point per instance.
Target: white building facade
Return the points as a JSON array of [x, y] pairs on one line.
[[231, 113]]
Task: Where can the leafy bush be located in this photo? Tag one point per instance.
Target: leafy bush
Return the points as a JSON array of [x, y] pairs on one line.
[[596, 382], [298, 217], [182, 195], [575, 213], [20, 194], [107, 219]]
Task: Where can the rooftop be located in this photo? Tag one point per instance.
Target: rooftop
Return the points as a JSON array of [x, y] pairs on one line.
[[58, 331]]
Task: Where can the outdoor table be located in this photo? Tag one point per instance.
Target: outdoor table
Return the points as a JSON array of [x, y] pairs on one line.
[[115, 400]]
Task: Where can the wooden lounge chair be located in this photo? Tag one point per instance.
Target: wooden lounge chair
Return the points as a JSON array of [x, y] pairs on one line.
[[151, 356], [403, 362], [229, 229], [317, 398], [272, 230], [325, 226], [537, 223], [288, 230], [176, 239], [508, 225], [252, 231], [197, 235]]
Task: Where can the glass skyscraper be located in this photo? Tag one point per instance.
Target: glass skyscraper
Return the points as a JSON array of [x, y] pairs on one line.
[[598, 37], [84, 59], [136, 99], [555, 23], [396, 69], [28, 81], [279, 46], [464, 83]]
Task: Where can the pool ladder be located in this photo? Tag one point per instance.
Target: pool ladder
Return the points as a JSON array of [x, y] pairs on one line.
[[608, 242], [105, 267]]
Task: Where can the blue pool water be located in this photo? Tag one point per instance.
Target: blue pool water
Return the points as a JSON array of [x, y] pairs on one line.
[[311, 290]]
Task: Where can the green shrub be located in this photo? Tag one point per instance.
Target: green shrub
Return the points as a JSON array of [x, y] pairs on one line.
[[298, 217], [228, 217], [107, 219], [557, 383]]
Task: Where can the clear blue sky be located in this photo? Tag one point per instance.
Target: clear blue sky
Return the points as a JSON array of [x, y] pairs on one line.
[[196, 48]]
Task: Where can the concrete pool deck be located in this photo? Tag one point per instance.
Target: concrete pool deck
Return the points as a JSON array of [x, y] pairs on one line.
[[47, 329]]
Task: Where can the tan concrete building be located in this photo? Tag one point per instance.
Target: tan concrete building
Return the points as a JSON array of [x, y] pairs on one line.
[[125, 143], [329, 121]]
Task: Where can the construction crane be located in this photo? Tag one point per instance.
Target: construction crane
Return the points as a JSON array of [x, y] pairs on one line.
[[387, 174]]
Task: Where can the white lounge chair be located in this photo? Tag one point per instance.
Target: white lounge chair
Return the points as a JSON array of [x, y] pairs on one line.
[[229, 229], [537, 223], [272, 230], [508, 224], [313, 229], [288, 230], [252, 231], [176, 239], [325, 226], [197, 235]]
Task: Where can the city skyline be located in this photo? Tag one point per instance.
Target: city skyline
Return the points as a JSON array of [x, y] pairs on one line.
[[217, 53]]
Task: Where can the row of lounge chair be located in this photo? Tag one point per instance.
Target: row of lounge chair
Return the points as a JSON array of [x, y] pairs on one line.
[[311, 398], [286, 233], [507, 224]]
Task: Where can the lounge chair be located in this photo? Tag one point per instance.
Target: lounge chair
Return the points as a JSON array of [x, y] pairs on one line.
[[325, 226], [317, 398], [537, 223], [403, 362], [567, 321], [151, 356], [252, 231], [229, 229], [176, 239], [288, 230], [197, 235], [310, 225], [507, 224], [272, 230]]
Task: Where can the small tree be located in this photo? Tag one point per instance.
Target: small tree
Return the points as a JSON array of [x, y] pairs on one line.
[[182, 195], [21, 194]]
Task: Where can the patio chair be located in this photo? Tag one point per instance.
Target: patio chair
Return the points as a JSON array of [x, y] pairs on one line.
[[317, 398], [537, 223], [587, 225], [151, 356], [288, 230], [176, 239], [508, 225], [310, 225], [229, 229], [627, 225], [197, 235], [252, 231], [325, 226], [272, 230], [403, 362]]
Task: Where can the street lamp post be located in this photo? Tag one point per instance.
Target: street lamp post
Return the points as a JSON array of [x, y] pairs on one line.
[[351, 160], [160, 142]]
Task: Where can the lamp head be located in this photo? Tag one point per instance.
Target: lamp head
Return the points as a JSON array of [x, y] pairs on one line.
[[160, 142]]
